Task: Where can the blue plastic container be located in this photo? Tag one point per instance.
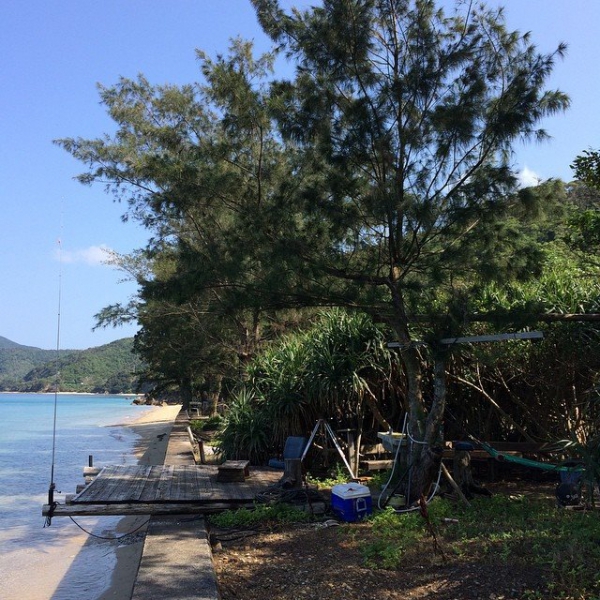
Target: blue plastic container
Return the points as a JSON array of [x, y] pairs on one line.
[[351, 501]]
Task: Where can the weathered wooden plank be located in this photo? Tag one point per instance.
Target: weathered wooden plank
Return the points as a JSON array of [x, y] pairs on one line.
[[91, 471], [104, 485], [170, 484], [141, 508], [178, 487], [377, 465], [150, 488], [112, 482], [193, 484], [163, 493], [133, 490], [203, 483]]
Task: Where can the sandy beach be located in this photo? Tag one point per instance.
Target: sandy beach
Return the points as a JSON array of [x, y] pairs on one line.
[[73, 565]]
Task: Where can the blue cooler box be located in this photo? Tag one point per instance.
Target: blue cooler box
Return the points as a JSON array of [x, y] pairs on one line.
[[351, 501]]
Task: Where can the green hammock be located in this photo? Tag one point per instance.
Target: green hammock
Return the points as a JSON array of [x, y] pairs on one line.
[[526, 462]]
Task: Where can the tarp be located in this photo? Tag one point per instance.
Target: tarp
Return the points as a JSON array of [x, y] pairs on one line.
[[527, 462]]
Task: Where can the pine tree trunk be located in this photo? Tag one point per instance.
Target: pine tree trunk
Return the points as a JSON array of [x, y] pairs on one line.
[[424, 473], [185, 391], [214, 390], [430, 450], [425, 427]]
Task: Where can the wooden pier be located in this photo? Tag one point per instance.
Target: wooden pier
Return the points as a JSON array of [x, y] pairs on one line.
[[164, 489]]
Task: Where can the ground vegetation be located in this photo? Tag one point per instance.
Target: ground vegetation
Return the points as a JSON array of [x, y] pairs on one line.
[[516, 544]]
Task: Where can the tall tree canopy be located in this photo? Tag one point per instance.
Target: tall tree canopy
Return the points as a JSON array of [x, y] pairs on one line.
[[587, 168], [193, 164], [584, 234], [405, 118], [378, 177]]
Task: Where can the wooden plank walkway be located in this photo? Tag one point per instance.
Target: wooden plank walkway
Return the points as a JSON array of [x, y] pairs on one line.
[[165, 489], [171, 484]]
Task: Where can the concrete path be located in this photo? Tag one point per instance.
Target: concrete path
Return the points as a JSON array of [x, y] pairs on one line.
[[177, 559]]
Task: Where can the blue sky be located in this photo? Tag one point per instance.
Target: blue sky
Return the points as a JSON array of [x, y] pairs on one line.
[[52, 55]]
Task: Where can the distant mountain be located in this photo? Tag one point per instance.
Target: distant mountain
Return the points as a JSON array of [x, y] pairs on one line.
[[5, 344], [105, 369], [17, 360]]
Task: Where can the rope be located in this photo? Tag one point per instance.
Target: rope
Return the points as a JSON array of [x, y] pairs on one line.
[[114, 537], [53, 505], [407, 472]]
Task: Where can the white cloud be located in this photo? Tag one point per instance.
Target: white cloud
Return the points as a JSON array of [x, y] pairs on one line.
[[93, 256], [528, 178]]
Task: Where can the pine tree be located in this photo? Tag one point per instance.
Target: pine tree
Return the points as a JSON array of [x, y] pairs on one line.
[[405, 118]]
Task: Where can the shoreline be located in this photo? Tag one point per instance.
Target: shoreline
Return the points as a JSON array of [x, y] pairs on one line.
[[69, 394], [65, 563]]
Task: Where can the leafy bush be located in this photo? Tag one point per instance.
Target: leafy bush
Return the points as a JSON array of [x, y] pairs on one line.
[[261, 514], [213, 424], [246, 432], [336, 370]]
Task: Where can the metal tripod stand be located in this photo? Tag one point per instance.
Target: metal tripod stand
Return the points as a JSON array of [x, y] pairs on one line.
[[323, 426]]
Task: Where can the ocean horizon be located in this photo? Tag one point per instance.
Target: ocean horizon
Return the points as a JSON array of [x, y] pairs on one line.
[[86, 425]]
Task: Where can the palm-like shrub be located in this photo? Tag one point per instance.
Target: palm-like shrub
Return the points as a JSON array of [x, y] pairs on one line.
[[335, 370], [246, 431], [277, 376]]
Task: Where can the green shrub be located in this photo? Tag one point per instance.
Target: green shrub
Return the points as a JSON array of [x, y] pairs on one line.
[[212, 424], [246, 432], [261, 514]]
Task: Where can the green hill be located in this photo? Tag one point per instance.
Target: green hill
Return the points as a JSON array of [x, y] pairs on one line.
[[106, 369], [6, 344], [17, 360]]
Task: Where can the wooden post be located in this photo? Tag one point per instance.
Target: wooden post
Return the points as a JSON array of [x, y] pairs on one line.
[[292, 474], [454, 485], [201, 450], [352, 448], [462, 469]]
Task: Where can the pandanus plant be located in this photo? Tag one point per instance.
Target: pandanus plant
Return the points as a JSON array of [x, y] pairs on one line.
[[337, 370]]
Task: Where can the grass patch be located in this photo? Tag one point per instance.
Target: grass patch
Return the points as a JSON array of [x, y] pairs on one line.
[[513, 533], [512, 530], [261, 514], [211, 424], [392, 537], [337, 475]]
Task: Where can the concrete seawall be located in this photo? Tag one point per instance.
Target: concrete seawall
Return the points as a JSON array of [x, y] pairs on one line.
[[177, 559]]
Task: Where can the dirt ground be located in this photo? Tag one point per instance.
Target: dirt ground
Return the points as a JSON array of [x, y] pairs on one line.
[[316, 561]]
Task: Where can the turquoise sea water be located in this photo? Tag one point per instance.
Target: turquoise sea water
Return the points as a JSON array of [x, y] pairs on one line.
[[86, 425]]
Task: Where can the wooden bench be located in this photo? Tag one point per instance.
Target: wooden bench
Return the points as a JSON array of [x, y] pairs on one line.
[[377, 459], [233, 470], [374, 457]]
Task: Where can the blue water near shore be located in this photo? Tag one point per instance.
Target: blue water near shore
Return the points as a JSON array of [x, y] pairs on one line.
[[85, 425]]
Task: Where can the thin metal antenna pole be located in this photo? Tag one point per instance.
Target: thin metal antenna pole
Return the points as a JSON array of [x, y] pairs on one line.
[[52, 487]]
